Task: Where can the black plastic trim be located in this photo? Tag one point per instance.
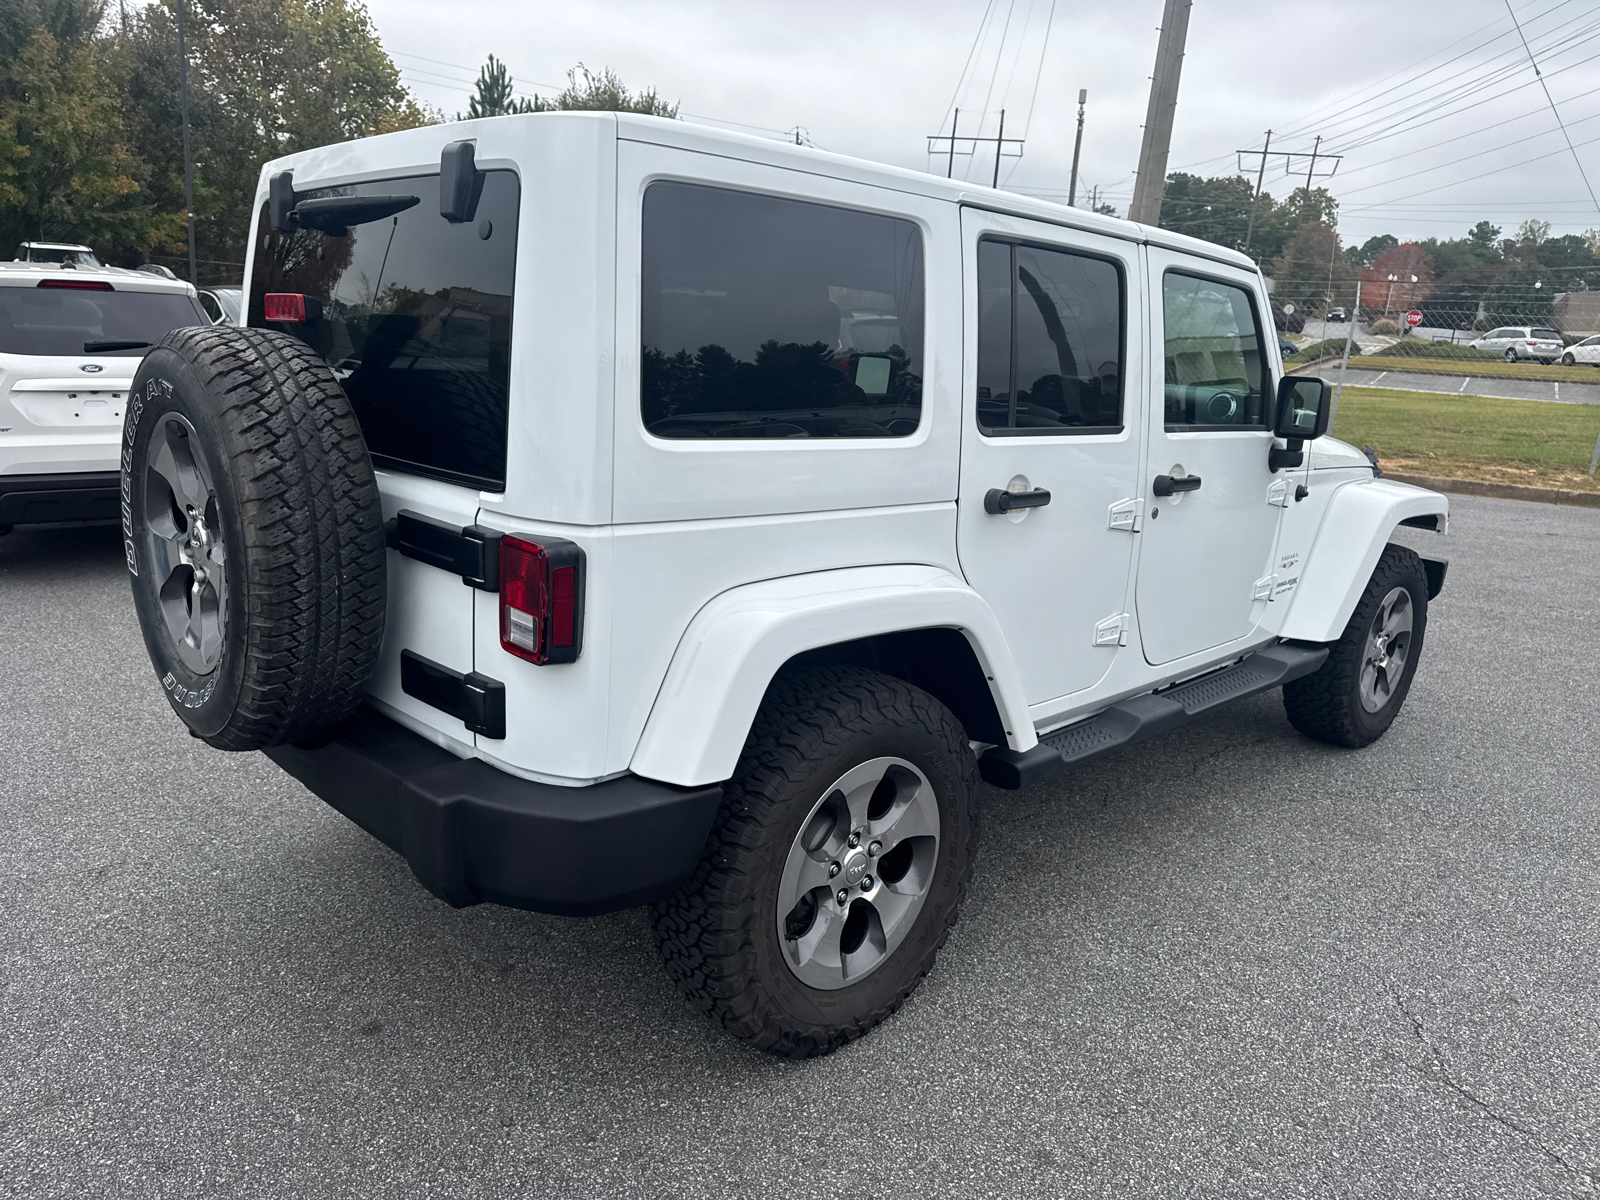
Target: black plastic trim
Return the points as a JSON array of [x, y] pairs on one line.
[[472, 553], [474, 834], [475, 700], [52, 499], [1435, 569], [1141, 717]]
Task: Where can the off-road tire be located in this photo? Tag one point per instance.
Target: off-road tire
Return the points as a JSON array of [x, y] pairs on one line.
[[1326, 705], [718, 936], [297, 508]]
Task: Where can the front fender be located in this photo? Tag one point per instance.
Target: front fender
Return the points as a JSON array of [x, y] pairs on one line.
[[1361, 515], [739, 640]]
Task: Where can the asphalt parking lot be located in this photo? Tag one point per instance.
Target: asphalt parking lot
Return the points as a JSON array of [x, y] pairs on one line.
[[1230, 963]]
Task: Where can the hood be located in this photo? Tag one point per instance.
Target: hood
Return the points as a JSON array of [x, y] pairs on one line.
[[1330, 452]]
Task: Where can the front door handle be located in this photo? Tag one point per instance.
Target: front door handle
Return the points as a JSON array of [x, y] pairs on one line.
[[998, 501], [1166, 485]]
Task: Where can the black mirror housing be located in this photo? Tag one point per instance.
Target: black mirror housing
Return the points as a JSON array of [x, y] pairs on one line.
[[280, 200], [1305, 405], [460, 183]]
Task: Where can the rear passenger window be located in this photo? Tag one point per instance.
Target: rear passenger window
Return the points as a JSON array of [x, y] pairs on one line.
[[1050, 339], [769, 318], [1216, 360], [416, 322]]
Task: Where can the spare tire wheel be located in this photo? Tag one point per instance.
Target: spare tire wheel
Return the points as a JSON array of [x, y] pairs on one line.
[[254, 535]]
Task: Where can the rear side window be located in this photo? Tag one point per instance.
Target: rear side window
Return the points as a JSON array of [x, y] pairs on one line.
[[1216, 360], [48, 320], [1050, 337], [415, 322], [769, 318]]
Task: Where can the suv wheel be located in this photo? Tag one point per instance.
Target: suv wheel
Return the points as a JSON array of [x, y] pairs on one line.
[[1353, 698], [1511, 355], [836, 867], [253, 534]]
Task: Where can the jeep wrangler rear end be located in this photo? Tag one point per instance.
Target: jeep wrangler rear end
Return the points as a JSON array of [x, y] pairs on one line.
[[602, 510]]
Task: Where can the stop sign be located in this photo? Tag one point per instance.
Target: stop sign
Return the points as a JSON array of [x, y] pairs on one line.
[[1414, 317]]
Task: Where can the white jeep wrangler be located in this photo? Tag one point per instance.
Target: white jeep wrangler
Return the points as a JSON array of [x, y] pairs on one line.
[[603, 510]]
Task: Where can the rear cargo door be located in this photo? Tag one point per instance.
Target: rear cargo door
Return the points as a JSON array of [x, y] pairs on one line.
[[413, 313]]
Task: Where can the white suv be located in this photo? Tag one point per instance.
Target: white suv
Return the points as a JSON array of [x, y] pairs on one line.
[[603, 510], [70, 341], [1522, 341]]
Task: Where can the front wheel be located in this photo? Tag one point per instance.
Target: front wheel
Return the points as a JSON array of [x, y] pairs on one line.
[[1353, 698], [836, 867], [1568, 361]]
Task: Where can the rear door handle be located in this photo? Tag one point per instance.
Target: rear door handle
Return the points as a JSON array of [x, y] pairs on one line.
[[998, 501], [1166, 485]]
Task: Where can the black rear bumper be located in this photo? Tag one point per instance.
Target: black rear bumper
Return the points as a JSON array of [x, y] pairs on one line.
[[51, 499], [473, 833]]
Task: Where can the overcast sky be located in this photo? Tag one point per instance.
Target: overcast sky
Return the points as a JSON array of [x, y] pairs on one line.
[[1402, 90]]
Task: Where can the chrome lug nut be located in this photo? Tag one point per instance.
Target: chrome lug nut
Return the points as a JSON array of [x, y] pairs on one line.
[[833, 870], [875, 849], [844, 897], [866, 883], [854, 840]]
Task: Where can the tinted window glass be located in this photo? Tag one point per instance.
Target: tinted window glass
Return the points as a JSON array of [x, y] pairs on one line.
[[416, 322], [777, 318], [1548, 335], [36, 320], [1049, 341], [1215, 359]]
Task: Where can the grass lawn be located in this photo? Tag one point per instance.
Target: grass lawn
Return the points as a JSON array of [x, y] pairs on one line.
[[1474, 437], [1486, 369]]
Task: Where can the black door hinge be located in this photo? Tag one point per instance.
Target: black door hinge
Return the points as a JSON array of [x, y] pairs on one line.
[[475, 700], [472, 553]]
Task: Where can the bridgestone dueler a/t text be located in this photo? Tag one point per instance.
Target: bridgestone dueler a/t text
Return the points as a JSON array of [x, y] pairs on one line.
[[253, 534]]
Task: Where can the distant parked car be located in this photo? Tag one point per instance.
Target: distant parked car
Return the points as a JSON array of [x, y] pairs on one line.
[[1586, 351], [1286, 347], [1337, 314], [158, 270], [1522, 341], [223, 305], [67, 253]]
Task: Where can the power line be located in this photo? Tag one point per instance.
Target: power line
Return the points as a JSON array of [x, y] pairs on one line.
[[1553, 108]]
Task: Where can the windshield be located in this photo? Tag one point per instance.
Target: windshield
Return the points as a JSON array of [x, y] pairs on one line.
[[58, 254], [45, 320]]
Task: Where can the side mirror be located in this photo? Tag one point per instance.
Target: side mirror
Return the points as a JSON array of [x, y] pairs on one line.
[[1304, 407]]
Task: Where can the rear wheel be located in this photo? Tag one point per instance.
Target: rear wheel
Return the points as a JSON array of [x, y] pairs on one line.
[[1353, 698], [836, 868], [1511, 356]]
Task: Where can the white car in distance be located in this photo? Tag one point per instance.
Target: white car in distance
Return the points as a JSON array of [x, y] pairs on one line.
[[71, 339], [1522, 341], [1586, 351]]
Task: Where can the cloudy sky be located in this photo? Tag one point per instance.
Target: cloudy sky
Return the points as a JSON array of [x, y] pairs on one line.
[[1434, 106]]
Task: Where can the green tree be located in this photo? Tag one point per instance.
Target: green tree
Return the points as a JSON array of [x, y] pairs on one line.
[[1370, 249], [1312, 262], [493, 94], [1216, 209], [604, 92]]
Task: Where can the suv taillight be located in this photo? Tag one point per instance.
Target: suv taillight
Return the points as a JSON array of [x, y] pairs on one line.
[[290, 306], [541, 599]]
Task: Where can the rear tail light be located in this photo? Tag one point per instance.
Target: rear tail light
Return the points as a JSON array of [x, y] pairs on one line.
[[1533, 343], [290, 306], [78, 285], [541, 599]]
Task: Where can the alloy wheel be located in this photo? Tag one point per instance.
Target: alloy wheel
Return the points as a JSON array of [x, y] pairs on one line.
[[184, 544], [858, 872], [1388, 647]]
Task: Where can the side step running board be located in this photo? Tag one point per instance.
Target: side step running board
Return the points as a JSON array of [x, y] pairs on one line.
[[1142, 717]]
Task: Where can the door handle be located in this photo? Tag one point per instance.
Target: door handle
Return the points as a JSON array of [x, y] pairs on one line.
[[998, 501], [1166, 485]]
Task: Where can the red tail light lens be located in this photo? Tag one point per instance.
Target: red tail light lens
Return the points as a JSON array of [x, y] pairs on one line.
[[78, 285], [284, 306], [541, 599]]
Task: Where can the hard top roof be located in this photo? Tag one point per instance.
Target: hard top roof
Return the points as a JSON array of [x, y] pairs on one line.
[[55, 246], [28, 274], [355, 159]]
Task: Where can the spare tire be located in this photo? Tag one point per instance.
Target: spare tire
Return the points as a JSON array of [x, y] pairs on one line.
[[254, 535]]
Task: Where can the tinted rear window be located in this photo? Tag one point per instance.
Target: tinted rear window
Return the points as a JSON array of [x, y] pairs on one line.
[[416, 322], [36, 320], [1547, 335], [778, 318]]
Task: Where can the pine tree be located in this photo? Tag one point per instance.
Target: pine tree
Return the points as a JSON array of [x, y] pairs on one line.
[[494, 97]]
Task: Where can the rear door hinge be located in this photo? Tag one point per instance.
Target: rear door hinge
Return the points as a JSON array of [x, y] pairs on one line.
[[1113, 631], [1278, 493], [1263, 588], [475, 700], [1127, 515], [472, 553]]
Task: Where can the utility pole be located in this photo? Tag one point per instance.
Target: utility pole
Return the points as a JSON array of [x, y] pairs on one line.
[[1315, 146], [188, 162], [1077, 149], [949, 171], [1261, 175], [1152, 177], [999, 144]]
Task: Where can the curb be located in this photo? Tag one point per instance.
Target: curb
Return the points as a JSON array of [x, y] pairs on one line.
[[1499, 491]]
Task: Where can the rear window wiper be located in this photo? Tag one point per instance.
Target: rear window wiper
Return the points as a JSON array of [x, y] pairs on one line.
[[108, 347], [334, 215]]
